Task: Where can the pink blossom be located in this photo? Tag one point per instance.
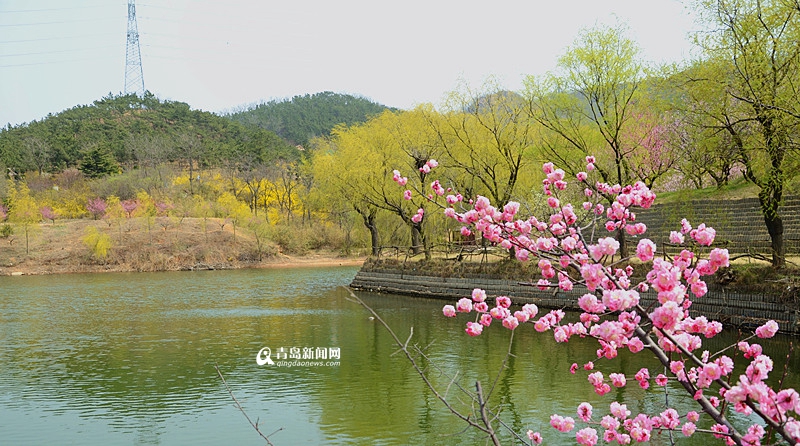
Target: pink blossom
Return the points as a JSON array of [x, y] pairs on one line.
[[667, 315], [767, 330], [719, 258], [595, 378], [563, 424], [449, 311], [478, 295], [586, 436], [399, 179], [676, 237], [522, 316], [661, 380], [553, 202], [620, 411], [685, 226], [670, 419], [522, 255], [617, 379], [503, 301], [573, 368], [645, 250], [531, 309], [486, 319], [474, 329], [581, 176], [635, 345], [688, 429], [535, 437], [464, 305], [585, 411], [788, 399], [499, 312], [703, 236], [510, 322], [719, 430], [643, 376], [432, 163], [418, 216]]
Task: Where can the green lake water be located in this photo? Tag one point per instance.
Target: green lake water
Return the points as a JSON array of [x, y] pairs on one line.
[[106, 359]]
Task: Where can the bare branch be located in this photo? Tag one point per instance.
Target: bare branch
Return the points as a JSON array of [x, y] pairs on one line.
[[239, 406]]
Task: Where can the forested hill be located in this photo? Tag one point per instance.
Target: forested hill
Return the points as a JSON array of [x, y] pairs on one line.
[[135, 131], [304, 117]]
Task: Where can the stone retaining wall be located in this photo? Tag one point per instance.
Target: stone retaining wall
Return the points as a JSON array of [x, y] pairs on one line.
[[739, 223], [729, 307]]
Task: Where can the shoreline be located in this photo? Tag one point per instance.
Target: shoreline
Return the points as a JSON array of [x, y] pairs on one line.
[[308, 261]]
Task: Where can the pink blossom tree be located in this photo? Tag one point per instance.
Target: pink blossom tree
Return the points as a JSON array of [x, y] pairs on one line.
[[97, 207], [129, 207], [49, 214], [569, 255]]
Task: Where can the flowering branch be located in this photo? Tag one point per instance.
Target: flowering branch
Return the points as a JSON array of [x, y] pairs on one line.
[[611, 309]]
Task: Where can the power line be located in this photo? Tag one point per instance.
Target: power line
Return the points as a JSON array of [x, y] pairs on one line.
[[59, 22], [43, 39], [58, 51], [5, 11], [54, 62]]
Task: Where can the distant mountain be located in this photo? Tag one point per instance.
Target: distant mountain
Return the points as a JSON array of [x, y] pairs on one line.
[[302, 118]]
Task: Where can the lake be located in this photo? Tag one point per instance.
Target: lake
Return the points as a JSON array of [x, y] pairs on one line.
[[128, 358]]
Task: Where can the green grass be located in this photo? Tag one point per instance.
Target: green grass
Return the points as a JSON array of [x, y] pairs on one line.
[[735, 190]]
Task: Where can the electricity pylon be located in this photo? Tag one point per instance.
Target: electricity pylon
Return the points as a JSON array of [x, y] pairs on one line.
[[134, 78]]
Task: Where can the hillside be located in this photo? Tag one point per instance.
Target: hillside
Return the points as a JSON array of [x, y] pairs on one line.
[[136, 132], [303, 118]]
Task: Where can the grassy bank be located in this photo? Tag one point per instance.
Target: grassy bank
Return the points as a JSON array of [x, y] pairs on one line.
[[139, 244]]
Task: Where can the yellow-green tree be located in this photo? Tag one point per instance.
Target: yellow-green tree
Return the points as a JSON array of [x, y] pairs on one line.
[[23, 212], [587, 104], [363, 158], [489, 141], [760, 40], [230, 208], [98, 242]]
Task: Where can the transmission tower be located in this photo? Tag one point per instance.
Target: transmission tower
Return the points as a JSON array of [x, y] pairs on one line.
[[134, 79]]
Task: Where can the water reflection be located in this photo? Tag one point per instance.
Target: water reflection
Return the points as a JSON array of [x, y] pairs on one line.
[[128, 358]]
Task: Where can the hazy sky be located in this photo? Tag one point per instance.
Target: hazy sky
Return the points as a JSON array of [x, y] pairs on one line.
[[220, 54]]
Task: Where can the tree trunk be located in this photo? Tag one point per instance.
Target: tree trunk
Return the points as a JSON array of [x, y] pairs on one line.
[[418, 241], [369, 222], [774, 224], [623, 244]]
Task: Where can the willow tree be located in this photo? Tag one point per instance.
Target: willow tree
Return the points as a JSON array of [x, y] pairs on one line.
[[587, 105], [488, 139], [363, 159], [761, 39]]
